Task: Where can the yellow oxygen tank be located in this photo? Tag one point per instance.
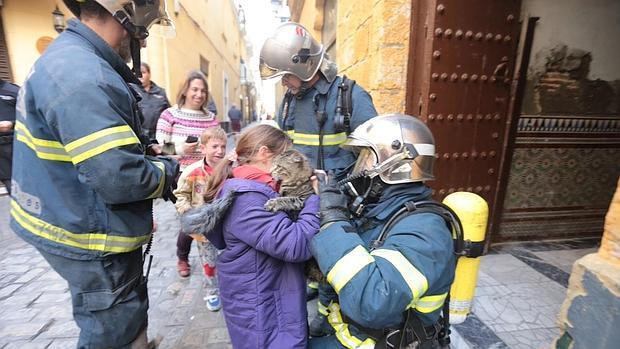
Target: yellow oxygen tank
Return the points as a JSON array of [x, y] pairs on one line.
[[473, 212]]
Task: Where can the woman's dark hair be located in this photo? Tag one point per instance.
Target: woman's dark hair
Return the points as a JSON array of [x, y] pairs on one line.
[[193, 75], [250, 141]]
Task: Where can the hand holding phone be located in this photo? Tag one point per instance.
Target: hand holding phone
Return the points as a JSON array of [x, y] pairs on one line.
[[191, 139]]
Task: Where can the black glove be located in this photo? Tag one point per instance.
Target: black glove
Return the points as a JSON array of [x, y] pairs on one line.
[[334, 203], [172, 172]]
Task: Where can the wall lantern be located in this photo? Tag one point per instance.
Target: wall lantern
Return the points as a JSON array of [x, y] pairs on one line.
[[59, 20]]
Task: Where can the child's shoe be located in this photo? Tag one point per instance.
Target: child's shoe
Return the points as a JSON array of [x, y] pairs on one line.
[[213, 302]]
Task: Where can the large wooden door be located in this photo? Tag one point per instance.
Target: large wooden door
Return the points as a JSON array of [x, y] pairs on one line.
[[462, 56]]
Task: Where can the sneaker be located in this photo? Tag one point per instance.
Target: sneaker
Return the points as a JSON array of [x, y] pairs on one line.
[[183, 268], [213, 302]]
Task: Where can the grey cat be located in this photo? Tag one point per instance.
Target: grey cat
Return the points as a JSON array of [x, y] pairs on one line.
[[291, 169]]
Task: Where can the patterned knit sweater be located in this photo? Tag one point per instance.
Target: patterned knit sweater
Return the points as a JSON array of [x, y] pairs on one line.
[[175, 124]]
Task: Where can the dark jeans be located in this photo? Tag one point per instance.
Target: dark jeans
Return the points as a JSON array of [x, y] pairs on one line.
[[235, 125], [109, 297], [184, 245], [6, 165]]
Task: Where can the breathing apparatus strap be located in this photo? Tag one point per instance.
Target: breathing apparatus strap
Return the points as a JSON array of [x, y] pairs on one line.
[[344, 105], [320, 100], [453, 223]]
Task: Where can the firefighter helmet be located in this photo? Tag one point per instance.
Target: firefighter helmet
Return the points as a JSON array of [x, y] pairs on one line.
[[292, 50], [136, 16], [398, 148]]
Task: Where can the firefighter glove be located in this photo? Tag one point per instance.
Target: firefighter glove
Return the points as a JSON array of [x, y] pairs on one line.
[[334, 203]]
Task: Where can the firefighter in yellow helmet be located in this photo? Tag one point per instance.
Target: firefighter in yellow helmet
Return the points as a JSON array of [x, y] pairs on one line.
[[82, 184], [384, 246]]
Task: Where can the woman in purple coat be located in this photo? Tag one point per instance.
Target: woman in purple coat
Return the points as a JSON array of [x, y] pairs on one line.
[[260, 269]]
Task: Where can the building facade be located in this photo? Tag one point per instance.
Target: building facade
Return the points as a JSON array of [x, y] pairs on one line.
[[524, 102], [210, 37]]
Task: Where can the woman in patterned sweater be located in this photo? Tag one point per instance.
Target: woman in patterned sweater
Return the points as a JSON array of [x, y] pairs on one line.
[[189, 117]]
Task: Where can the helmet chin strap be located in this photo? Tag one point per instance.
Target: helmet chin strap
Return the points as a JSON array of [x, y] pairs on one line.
[[303, 89], [134, 47], [137, 33]]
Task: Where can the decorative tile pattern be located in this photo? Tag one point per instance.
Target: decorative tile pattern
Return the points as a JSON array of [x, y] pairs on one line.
[[545, 184], [567, 124], [562, 177]]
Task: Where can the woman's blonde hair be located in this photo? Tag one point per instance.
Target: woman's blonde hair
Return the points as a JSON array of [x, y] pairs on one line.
[[182, 95], [250, 141]]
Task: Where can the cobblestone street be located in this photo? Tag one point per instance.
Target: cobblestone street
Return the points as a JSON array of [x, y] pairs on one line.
[[35, 305], [520, 290]]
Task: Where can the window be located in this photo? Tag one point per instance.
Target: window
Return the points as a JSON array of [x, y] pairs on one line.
[[204, 66]]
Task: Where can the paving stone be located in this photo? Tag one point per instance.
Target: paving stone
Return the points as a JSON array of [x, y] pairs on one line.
[[20, 251], [53, 297], [57, 311], [58, 285], [19, 315], [61, 329], [30, 275], [26, 344], [530, 339], [8, 290], [63, 344], [14, 268], [25, 329], [18, 301]]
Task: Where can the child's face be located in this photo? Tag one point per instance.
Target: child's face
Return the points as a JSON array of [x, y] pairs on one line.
[[214, 151]]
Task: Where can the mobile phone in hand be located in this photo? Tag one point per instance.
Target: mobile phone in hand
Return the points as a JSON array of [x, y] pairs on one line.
[[191, 139]]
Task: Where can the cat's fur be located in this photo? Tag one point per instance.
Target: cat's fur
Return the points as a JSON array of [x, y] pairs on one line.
[[291, 169]]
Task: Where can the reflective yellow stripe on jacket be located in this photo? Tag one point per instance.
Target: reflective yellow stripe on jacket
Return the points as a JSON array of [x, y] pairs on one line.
[[43, 148], [162, 181], [80, 149], [90, 241], [313, 139], [413, 277], [429, 304], [98, 142], [342, 330], [346, 267]]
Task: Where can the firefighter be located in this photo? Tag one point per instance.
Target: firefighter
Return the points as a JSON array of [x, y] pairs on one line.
[[392, 273], [308, 112], [83, 186], [318, 111]]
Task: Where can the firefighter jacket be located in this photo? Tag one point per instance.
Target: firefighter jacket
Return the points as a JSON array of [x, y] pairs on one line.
[[412, 270], [297, 116], [82, 184]]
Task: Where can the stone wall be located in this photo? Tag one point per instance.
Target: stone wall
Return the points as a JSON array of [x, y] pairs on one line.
[[373, 47], [590, 315]]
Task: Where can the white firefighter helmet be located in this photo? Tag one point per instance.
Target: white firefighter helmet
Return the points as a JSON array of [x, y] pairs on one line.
[[398, 148], [292, 50], [136, 16]]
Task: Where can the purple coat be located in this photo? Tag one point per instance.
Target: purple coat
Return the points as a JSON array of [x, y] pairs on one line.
[[261, 269]]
